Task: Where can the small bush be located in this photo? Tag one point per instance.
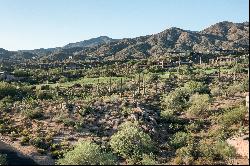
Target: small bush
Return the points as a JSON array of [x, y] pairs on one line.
[[33, 114], [176, 100], [87, 153], [215, 91], [184, 155], [179, 140], [39, 142], [196, 87], [24, 141], [131, 142], [43, 95], [148, 160], [5, 104], [195, 126], [168, 115], [233, 89], [199, 105], [232, 116], [215, 151]]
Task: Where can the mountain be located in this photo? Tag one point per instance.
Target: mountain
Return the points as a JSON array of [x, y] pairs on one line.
[[222, 35], [4, 53], [90, 43]]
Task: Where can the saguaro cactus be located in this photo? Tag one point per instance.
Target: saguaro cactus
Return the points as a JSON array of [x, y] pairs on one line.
[[110, 84], [144, 86], [98, 88], [121, 87], [139, 83]]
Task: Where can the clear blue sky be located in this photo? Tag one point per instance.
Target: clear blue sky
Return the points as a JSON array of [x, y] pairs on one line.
[[29, 24]]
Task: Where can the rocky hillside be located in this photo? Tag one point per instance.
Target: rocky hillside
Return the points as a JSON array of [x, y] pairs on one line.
[[223, 35], [90, 43]]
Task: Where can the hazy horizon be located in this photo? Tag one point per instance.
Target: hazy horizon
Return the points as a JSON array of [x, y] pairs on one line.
[[28, 25]]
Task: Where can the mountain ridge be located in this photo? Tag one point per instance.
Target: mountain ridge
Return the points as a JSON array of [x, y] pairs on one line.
[[222, 35]]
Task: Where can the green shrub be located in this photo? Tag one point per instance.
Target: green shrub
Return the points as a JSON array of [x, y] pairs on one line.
[[168, 115], [215, 151], [179, 139], [44, 95], [148, 160], [56, 154], [68, 122], [45, 87], [6, 104], [33, 114], [3, 159], [195, 126], [224, 151], [215, 91], [176, 100], [126, 111], [21, 73], [185, 155], [232, 116], [199, 105], [7, 89], [39, 142], [24, 141], [233, 89], [196, 87], [245, 85], [131, 142], [87, 153]]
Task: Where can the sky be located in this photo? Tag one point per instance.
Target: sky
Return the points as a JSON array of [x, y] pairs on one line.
[[32, 24]]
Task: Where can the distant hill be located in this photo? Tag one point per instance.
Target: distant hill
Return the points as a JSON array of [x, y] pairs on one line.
[[90, 43], [222, 35]]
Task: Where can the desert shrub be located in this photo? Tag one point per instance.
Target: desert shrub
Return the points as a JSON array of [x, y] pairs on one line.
[[215, 91], [21, 73], [87, 153], [199, 104], [6, 104], [233, 89], [224, 151], [168, 115], [45, 87], [195, 126], [180, 139], [131, 142], [86, 110], [56, 154], [7, 89], [68, 122], [215, 151], [63, 80], [184, 155], [126, 111], [33, 114], [196, 87], [232, 116], [148, 160], [3, 159], [24, 140], [39, 142], [245, 85], [44, 95], [176, 100]]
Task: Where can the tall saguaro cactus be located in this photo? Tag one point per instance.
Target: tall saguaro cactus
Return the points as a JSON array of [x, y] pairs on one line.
[[98, 88], [110, 84], [144, 86], [139, 83], [121, 87]]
